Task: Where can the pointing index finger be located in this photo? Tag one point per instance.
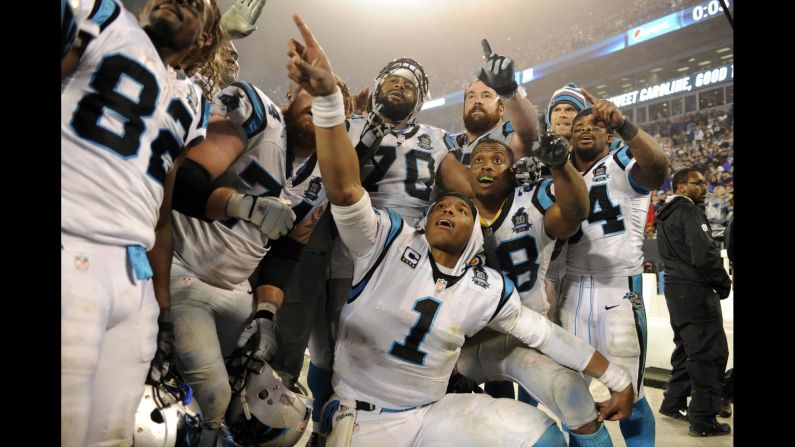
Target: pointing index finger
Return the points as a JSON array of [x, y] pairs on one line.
[[588, 96], [486, 48], [309, 39]]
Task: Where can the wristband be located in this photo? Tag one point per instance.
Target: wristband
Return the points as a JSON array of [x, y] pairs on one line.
[[328, 111]]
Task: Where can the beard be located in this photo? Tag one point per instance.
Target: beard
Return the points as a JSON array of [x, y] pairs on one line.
[[481, 124], [300, 131], [396, 112]]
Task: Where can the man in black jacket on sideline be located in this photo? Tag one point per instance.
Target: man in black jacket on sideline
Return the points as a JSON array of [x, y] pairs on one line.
[[695, 282]]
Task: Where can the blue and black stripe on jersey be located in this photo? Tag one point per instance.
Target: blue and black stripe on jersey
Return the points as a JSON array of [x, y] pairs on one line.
[[68, 27], [543, 198], [396, 226], [104, 13], [259, 119], [448, 141], [635, 283], [507, 290], [507, 129], [617, 144], [622, 157], [205, 111]]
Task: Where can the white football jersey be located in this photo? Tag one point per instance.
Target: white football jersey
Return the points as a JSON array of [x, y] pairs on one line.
[[226, 252], [194, 101], [401, 330], [464, 147], [405, 168], [121, 129], [610, 240], [517, 244]]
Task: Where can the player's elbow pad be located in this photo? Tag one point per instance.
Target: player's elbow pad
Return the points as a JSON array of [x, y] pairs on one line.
[[192, 189], [567, 349], [278, 265]]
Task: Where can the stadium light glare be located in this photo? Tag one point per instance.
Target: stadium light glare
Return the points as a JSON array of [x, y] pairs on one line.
[[723, 50], [727, 56], [655, 70], [683, 68], [704, 62]]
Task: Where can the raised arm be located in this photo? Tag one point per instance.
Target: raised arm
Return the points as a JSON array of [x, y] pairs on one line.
[[571, 195], [339, 166], [651, 164], [498, 74]]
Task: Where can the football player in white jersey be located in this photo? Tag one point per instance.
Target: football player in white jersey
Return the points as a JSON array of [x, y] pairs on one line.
[[564, 105], [520, 225], [602, 287], [248, 161], [405, 161], [399, 339], [121, 133], [484, 108]]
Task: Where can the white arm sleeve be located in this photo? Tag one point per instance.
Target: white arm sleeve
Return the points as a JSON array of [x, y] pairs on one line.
[[538, 332], [357, 225]]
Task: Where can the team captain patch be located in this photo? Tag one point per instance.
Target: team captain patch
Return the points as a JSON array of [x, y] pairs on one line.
[[410, 257]]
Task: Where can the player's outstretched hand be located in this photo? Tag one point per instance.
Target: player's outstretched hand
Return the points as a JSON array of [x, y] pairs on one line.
[[308, 65], [604, 110]]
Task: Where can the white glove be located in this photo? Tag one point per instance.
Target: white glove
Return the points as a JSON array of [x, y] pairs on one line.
[[272, 215], [238, 21], [261, 325], [375, 129]]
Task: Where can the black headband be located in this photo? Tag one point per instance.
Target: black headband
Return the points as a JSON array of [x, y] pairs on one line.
[[462, 197]]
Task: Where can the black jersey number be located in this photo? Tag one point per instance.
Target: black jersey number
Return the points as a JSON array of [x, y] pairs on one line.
[[386, 156], [413, 160], [108, 101], [602, 210], [409, 350], [519, 259]]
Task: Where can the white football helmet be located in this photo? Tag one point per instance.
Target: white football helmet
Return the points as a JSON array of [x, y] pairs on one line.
[[263, 411], [167, 415], [407, 68]]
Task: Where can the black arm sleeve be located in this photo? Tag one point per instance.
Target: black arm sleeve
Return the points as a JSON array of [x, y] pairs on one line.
[[192, 188], [277, 266]]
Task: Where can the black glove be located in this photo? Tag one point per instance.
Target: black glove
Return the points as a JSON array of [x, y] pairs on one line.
[[553, 150], [164, 355], [460, 384], [497, 72]]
